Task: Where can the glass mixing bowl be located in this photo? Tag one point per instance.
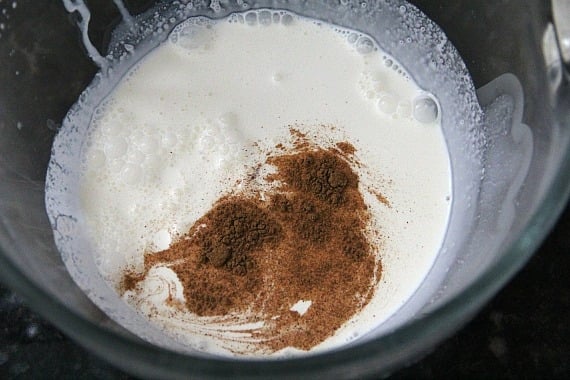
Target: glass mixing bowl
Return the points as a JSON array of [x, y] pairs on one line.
[[499, 217]]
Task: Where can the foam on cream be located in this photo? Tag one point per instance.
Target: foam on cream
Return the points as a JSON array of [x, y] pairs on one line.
[[190, 120]]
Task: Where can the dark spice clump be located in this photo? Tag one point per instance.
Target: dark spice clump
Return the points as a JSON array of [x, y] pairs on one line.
[[234, 229], [320, 173]]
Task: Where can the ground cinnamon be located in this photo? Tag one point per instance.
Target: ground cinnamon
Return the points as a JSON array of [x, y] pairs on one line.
[[305, 240]]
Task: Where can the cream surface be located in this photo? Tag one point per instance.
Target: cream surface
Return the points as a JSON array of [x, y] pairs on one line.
[[200, 110]]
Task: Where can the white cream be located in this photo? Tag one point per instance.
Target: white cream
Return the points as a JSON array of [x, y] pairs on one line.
[[177, 132]]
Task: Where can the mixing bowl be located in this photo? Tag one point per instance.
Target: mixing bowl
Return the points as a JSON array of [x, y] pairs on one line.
[[508, 144]]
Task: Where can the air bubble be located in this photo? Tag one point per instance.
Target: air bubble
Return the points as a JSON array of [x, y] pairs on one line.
[[264, 18], [286, 19], [193, 36], [277, 77], [251, 18], [404, 108], [173, 38], [387, 103], [425, 109], [352, 37], [364, 45]]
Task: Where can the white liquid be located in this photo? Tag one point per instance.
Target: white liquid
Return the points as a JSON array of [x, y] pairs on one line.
[[177, 132]]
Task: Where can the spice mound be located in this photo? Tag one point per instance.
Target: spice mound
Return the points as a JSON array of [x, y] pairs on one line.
[[296, 256]]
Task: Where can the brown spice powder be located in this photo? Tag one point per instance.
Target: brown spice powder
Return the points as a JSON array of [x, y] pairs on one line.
[[306, 240], [346, 147]]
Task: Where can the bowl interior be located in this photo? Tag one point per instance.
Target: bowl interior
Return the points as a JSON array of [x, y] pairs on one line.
[[508, 149]]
